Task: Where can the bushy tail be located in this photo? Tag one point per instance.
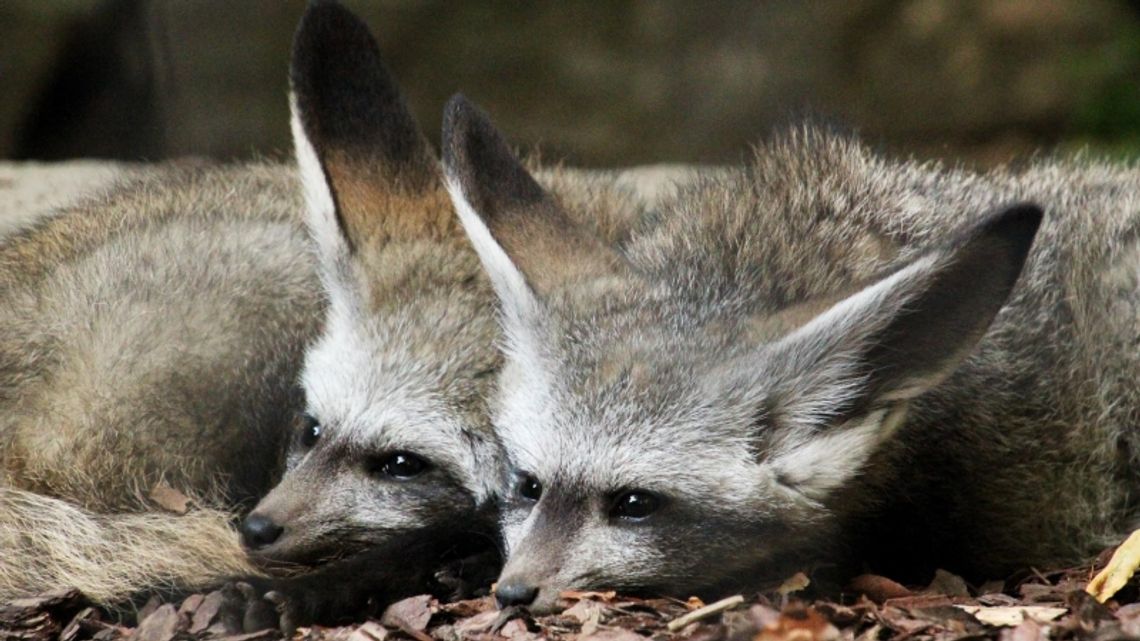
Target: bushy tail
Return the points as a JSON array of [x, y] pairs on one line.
[[48, 544]]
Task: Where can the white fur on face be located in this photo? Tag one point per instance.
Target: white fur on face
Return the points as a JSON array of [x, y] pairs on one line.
[[367, 392]]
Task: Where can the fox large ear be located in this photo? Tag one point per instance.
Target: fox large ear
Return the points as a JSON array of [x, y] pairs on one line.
[[527, 243], [362, 158], [842, 380]]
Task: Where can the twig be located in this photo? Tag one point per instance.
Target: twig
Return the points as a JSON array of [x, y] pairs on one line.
[[705, 612]]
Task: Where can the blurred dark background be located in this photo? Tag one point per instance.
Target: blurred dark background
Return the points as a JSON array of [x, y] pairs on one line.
[[598, 83]]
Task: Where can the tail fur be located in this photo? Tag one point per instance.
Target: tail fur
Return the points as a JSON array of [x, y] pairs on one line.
[[48, 544]]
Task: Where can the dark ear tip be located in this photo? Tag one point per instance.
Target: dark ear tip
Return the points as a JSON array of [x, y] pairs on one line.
[[457, 105], [325, 21], [316, 13], [460, 120], [1018, 223]]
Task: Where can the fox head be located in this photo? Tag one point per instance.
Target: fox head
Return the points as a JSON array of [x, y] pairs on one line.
[[395, 447], [665, 433]]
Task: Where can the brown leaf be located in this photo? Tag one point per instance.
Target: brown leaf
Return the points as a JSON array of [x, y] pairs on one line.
[[948, 584], [878, 588], [467, 607], [413, 613], [839, 614], [515, 629], [477, 624], [1129, 617], [191, 604], [162, 625], [170, 499], [799, 623], [587, 613], [900, 620], [206, 612]]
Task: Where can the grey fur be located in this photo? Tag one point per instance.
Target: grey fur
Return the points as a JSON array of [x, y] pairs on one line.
[[149, 336], [704, 369]]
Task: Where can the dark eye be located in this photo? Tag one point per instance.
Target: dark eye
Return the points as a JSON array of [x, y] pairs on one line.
[[530, 488], [310, 431], [398, 465], [635, 505]]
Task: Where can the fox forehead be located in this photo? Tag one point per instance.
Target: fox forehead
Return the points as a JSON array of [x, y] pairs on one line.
[[609, 442], [383, 397]]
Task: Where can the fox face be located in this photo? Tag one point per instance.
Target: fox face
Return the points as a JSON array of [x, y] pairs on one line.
[[394, 451], [672, 426]]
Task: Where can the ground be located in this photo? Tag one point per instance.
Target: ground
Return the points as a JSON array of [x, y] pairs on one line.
[[1036, 606]]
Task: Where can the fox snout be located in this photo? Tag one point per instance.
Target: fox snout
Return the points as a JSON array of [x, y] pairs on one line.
[[515, 592], [259, 531], [523, 592]]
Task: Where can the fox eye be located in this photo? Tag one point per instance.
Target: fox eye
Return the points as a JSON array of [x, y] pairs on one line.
[[398, 465], [635, 505], [530, 488], [310, 431]]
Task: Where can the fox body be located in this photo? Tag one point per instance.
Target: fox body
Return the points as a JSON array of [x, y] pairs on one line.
[[151, 335], [823, 356]]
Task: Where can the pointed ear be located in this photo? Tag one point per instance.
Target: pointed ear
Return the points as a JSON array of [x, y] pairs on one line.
[[851, 369], [525, 239], [362, 158]]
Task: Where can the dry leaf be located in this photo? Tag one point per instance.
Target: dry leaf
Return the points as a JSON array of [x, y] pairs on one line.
[[948, 584], [799, 624], [878, 588], [794, 583], [1119, 570], [170, 499], [1011, 616], [412, 613], [587, 613], [478, 624], [206, 612], [162, 625]]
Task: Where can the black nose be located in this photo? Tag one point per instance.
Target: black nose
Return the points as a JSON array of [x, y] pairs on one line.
[[515, 593], [258, 531]]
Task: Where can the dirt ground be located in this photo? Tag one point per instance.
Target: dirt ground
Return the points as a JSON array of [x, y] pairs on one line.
[[1036, 606]]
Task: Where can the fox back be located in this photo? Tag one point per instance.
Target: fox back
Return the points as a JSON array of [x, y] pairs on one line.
[[150, 335], [153, 335]]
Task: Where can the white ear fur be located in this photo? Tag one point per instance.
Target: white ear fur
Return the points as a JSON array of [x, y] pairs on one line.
[[320, 209], [517, 298], [816, 457], [817, 465]]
